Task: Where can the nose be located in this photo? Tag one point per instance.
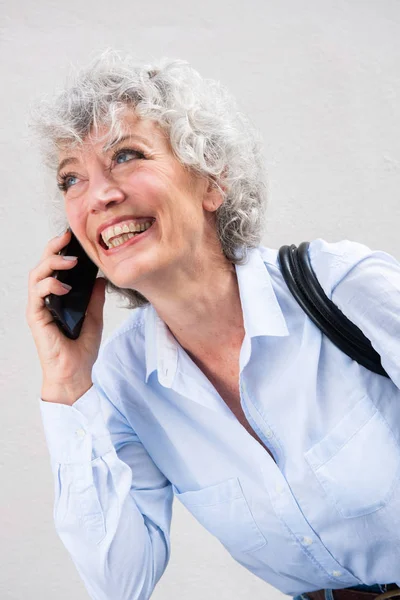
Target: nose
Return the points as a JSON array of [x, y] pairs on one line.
[[104, 191]]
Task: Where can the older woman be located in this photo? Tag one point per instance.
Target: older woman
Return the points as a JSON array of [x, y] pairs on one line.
[[218, 389]]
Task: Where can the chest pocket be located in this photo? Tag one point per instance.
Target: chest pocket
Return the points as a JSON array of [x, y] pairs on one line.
[[358, 462], [223, 510]]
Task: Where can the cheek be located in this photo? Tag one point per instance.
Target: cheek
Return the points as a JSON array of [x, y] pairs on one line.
[[77, 221], [150, 188], [74, 213], [161, 186]]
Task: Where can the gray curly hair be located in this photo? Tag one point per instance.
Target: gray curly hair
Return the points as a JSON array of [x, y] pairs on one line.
[[206, 130]]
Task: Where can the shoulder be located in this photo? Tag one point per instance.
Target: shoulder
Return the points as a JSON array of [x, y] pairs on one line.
[[345, 261], [125, 344], [133, 325], [333, 261]]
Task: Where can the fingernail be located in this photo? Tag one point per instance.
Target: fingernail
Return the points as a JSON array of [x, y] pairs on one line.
[[66, 286], [70, 257]]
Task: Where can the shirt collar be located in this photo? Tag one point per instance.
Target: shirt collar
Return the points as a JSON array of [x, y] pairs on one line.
[[262, 316], [161, 348]]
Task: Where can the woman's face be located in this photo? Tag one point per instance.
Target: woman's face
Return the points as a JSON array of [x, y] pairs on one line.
[[137, 181]]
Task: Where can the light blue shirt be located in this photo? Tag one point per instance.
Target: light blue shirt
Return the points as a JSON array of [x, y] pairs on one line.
[[326, 514]]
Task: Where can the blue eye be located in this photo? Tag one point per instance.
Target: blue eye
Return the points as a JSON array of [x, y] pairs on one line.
[[66, 181], [70, 180], [125, 155]]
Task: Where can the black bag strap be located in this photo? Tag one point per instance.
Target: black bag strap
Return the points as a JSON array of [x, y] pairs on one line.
[[306, 289]]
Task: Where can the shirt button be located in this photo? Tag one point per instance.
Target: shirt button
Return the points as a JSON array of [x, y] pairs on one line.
[[279, 488], [307, 541], [268, 434], [80, 433], [336, 573]]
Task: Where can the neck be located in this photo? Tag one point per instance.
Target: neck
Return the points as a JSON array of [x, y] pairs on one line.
[[201, 306]]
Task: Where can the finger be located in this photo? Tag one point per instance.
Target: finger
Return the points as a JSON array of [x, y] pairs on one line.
[[37, 309], [56, 244], [52, 263]]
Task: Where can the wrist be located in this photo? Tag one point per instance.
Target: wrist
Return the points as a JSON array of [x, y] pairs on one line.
[[64, 393]]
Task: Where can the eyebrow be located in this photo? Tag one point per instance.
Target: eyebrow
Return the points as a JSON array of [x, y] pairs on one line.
[[119, 140], [128, 136], [65, 162]]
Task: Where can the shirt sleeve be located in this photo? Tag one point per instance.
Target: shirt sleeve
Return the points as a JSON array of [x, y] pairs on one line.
[[368, 293], [112, 505]]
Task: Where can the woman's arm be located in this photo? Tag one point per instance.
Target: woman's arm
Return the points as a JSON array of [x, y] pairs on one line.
[[113, 506]]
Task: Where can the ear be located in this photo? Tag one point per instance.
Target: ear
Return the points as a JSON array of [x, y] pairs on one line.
[[213, 195]]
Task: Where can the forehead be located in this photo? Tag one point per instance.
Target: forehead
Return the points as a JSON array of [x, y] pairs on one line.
[[104, 137]]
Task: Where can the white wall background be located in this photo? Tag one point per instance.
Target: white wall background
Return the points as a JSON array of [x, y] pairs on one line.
[[321, 80]]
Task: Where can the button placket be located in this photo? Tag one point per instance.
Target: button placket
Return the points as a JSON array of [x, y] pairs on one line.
[[80, 433], [265, 433], [307, 541], [288, 511]]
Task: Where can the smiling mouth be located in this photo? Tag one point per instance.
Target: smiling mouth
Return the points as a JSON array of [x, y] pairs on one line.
[[121, 239]]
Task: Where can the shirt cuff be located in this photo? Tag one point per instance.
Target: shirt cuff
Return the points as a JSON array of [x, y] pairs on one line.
[[77, 433]]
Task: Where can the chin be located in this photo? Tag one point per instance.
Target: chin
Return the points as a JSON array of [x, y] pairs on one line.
[[129, 276]]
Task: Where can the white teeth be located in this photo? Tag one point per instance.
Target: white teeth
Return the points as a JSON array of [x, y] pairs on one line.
[[117, 241], [117, 230], [120, 240]]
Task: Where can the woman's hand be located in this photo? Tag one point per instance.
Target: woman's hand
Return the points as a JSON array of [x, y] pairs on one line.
[[66, 364]]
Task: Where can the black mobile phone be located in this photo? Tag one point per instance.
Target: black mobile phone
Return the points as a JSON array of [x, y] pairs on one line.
[[69, 310]]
